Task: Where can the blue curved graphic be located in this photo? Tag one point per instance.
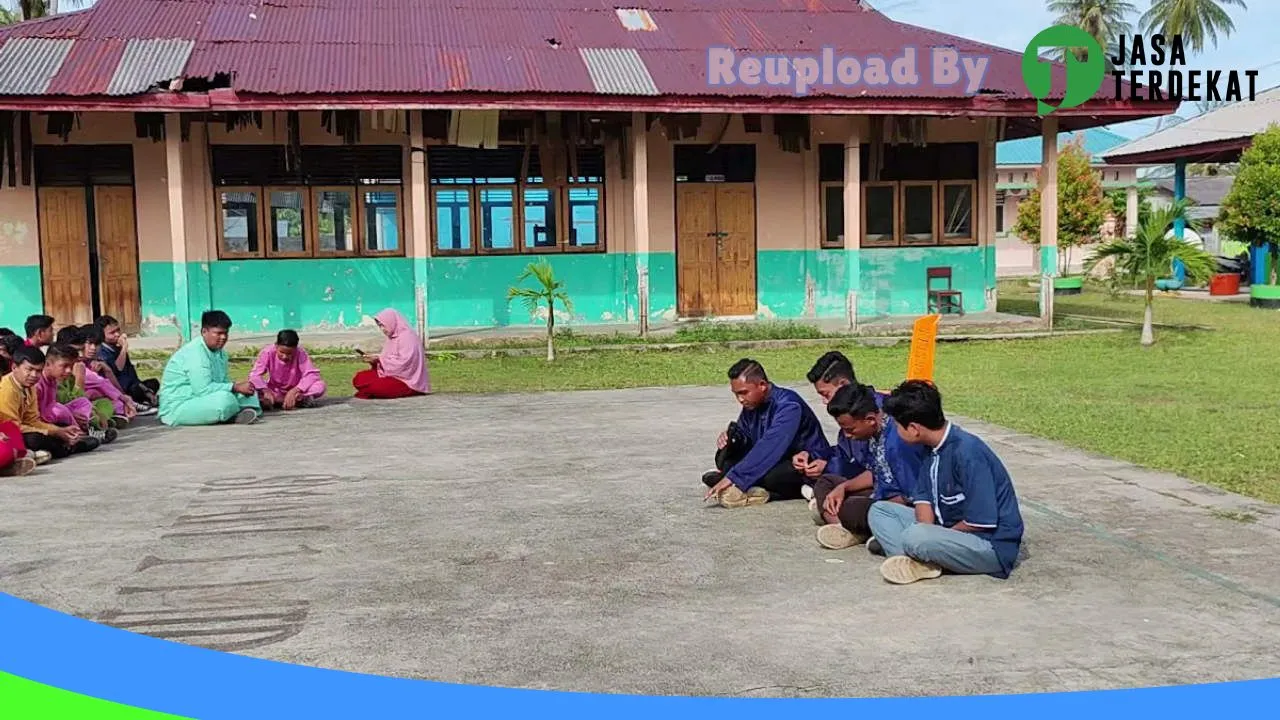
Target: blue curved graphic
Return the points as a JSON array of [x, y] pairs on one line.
[[65, 652]]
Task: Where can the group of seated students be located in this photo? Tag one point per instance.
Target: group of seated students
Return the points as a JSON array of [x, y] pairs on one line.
[[901, 479], [74, 390], [66, 393]]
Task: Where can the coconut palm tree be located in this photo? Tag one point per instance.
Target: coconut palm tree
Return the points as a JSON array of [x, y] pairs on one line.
[[1105, 20], [548, 291], [1199, 22], [1149, 255]]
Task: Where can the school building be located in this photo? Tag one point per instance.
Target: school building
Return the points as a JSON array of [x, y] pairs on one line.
[[306, 163]]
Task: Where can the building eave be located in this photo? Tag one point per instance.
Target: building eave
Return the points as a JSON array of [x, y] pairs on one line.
[[1091, 114], [1218, 151]]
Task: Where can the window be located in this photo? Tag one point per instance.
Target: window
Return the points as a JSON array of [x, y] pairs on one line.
[[334, 202], [879, 214], [958, 205], [925, 196], [919, 217], [239, 216], [1000, 219], [498, 202], [832, 215]]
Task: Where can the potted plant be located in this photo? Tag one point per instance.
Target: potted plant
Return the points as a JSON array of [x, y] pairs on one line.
[[1081, 213], [1251, 211]]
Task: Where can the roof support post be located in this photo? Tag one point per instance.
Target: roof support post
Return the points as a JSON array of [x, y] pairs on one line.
[[174, 180], [640, 215], [1048, 216], [853, 218], [420, 237], [1131, 211], [1180, 193]]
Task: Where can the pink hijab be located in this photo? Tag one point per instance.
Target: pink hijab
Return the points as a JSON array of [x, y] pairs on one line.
[[402, 356]]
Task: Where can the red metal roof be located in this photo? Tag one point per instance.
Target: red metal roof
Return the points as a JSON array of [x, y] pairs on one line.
[[413, 47]]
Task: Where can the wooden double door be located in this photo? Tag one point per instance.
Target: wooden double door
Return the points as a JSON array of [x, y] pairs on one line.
[[88, 249], [716, 249]]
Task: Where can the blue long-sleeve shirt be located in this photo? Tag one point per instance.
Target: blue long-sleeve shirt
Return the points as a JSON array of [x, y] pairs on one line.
[[782, 426], [894, 463]]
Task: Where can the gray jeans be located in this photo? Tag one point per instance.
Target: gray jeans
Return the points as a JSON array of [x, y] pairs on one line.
[[895, 527]]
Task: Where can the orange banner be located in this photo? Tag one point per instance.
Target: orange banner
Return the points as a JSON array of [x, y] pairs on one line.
[[924, 336]]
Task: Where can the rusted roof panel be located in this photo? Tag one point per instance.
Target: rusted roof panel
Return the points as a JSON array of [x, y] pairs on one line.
[[27, 65], [618, 71], [88, 68], [510, 46]]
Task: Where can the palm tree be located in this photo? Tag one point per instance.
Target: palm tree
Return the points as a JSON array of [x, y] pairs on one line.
[[1149, 255], [1199, 22], [1105, 20], [549, 290]]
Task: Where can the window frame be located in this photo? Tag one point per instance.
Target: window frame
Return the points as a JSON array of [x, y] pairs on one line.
[[896, 240], [823, 186], [477, 214], [565, 227], [361, 191], [935, 234], [315, 224], [220, 222], [307, 247], [434, 215], [972, 238]]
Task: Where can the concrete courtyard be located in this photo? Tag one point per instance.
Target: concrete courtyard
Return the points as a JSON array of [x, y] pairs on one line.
[[559, 541]]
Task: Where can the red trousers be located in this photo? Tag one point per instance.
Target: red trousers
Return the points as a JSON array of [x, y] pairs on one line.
[[12, 446], [371, 386]]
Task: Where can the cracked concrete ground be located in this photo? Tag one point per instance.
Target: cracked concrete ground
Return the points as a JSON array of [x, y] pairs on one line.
[[559, 541]]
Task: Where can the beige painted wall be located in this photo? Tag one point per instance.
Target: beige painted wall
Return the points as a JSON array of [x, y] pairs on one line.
[[19, 243]]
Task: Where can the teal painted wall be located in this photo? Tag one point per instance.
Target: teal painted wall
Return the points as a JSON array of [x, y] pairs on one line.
[[797, 284], [472, 291], [267, 295], [21, 295], [270, 295]]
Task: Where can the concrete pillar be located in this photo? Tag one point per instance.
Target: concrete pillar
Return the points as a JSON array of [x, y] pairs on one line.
[[420, 235], [853, 218], [1131, 211], [1048, 216], [177, 225], [1179, 193], [640, 215]]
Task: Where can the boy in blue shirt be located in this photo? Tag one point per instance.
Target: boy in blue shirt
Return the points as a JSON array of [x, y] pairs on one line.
[[965, 518], [871, 463], [754, 457]]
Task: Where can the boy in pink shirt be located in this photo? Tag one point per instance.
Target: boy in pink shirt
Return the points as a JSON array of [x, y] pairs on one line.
[[284, 375]]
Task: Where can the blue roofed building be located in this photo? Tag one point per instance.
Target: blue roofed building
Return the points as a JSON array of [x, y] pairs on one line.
[[1017, 168]]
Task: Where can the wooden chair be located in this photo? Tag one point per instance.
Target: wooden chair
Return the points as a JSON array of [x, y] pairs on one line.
[[942, 300]]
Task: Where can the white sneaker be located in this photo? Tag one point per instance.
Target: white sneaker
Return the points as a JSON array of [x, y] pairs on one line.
[[807, 491]]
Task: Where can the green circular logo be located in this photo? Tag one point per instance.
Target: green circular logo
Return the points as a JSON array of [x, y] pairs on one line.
[[1084, 77]]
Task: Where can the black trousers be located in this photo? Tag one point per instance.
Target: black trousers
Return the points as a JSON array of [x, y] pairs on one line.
[[51, 445], [782, 481], [142, 389], [854, 508]]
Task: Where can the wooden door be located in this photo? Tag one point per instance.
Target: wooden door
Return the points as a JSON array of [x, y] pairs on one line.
[[118, 286], [696, 287], [64, 255], [735, 249]]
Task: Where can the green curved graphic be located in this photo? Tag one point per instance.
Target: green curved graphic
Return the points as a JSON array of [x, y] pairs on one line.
[[22, 699], [1084, 77]]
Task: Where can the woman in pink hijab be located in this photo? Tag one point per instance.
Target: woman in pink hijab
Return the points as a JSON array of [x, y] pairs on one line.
[[400, 370]]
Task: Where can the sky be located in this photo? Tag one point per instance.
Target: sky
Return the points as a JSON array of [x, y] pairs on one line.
[[1012, 24]]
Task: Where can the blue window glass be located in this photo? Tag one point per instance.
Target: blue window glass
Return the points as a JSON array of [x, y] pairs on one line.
[[584, 217], [453, 219], [497, 219], [539, 218]]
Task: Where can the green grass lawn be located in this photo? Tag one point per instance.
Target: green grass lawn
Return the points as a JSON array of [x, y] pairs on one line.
[[1199, 403]]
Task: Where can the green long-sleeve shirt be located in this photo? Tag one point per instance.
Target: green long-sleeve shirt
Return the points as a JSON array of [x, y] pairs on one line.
[[194, 371]]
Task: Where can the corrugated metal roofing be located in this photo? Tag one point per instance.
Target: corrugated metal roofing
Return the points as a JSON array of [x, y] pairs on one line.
[[1030, 151], [544, 46], [147, 62], [1236, 121], [618, 71], [28, 64]]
